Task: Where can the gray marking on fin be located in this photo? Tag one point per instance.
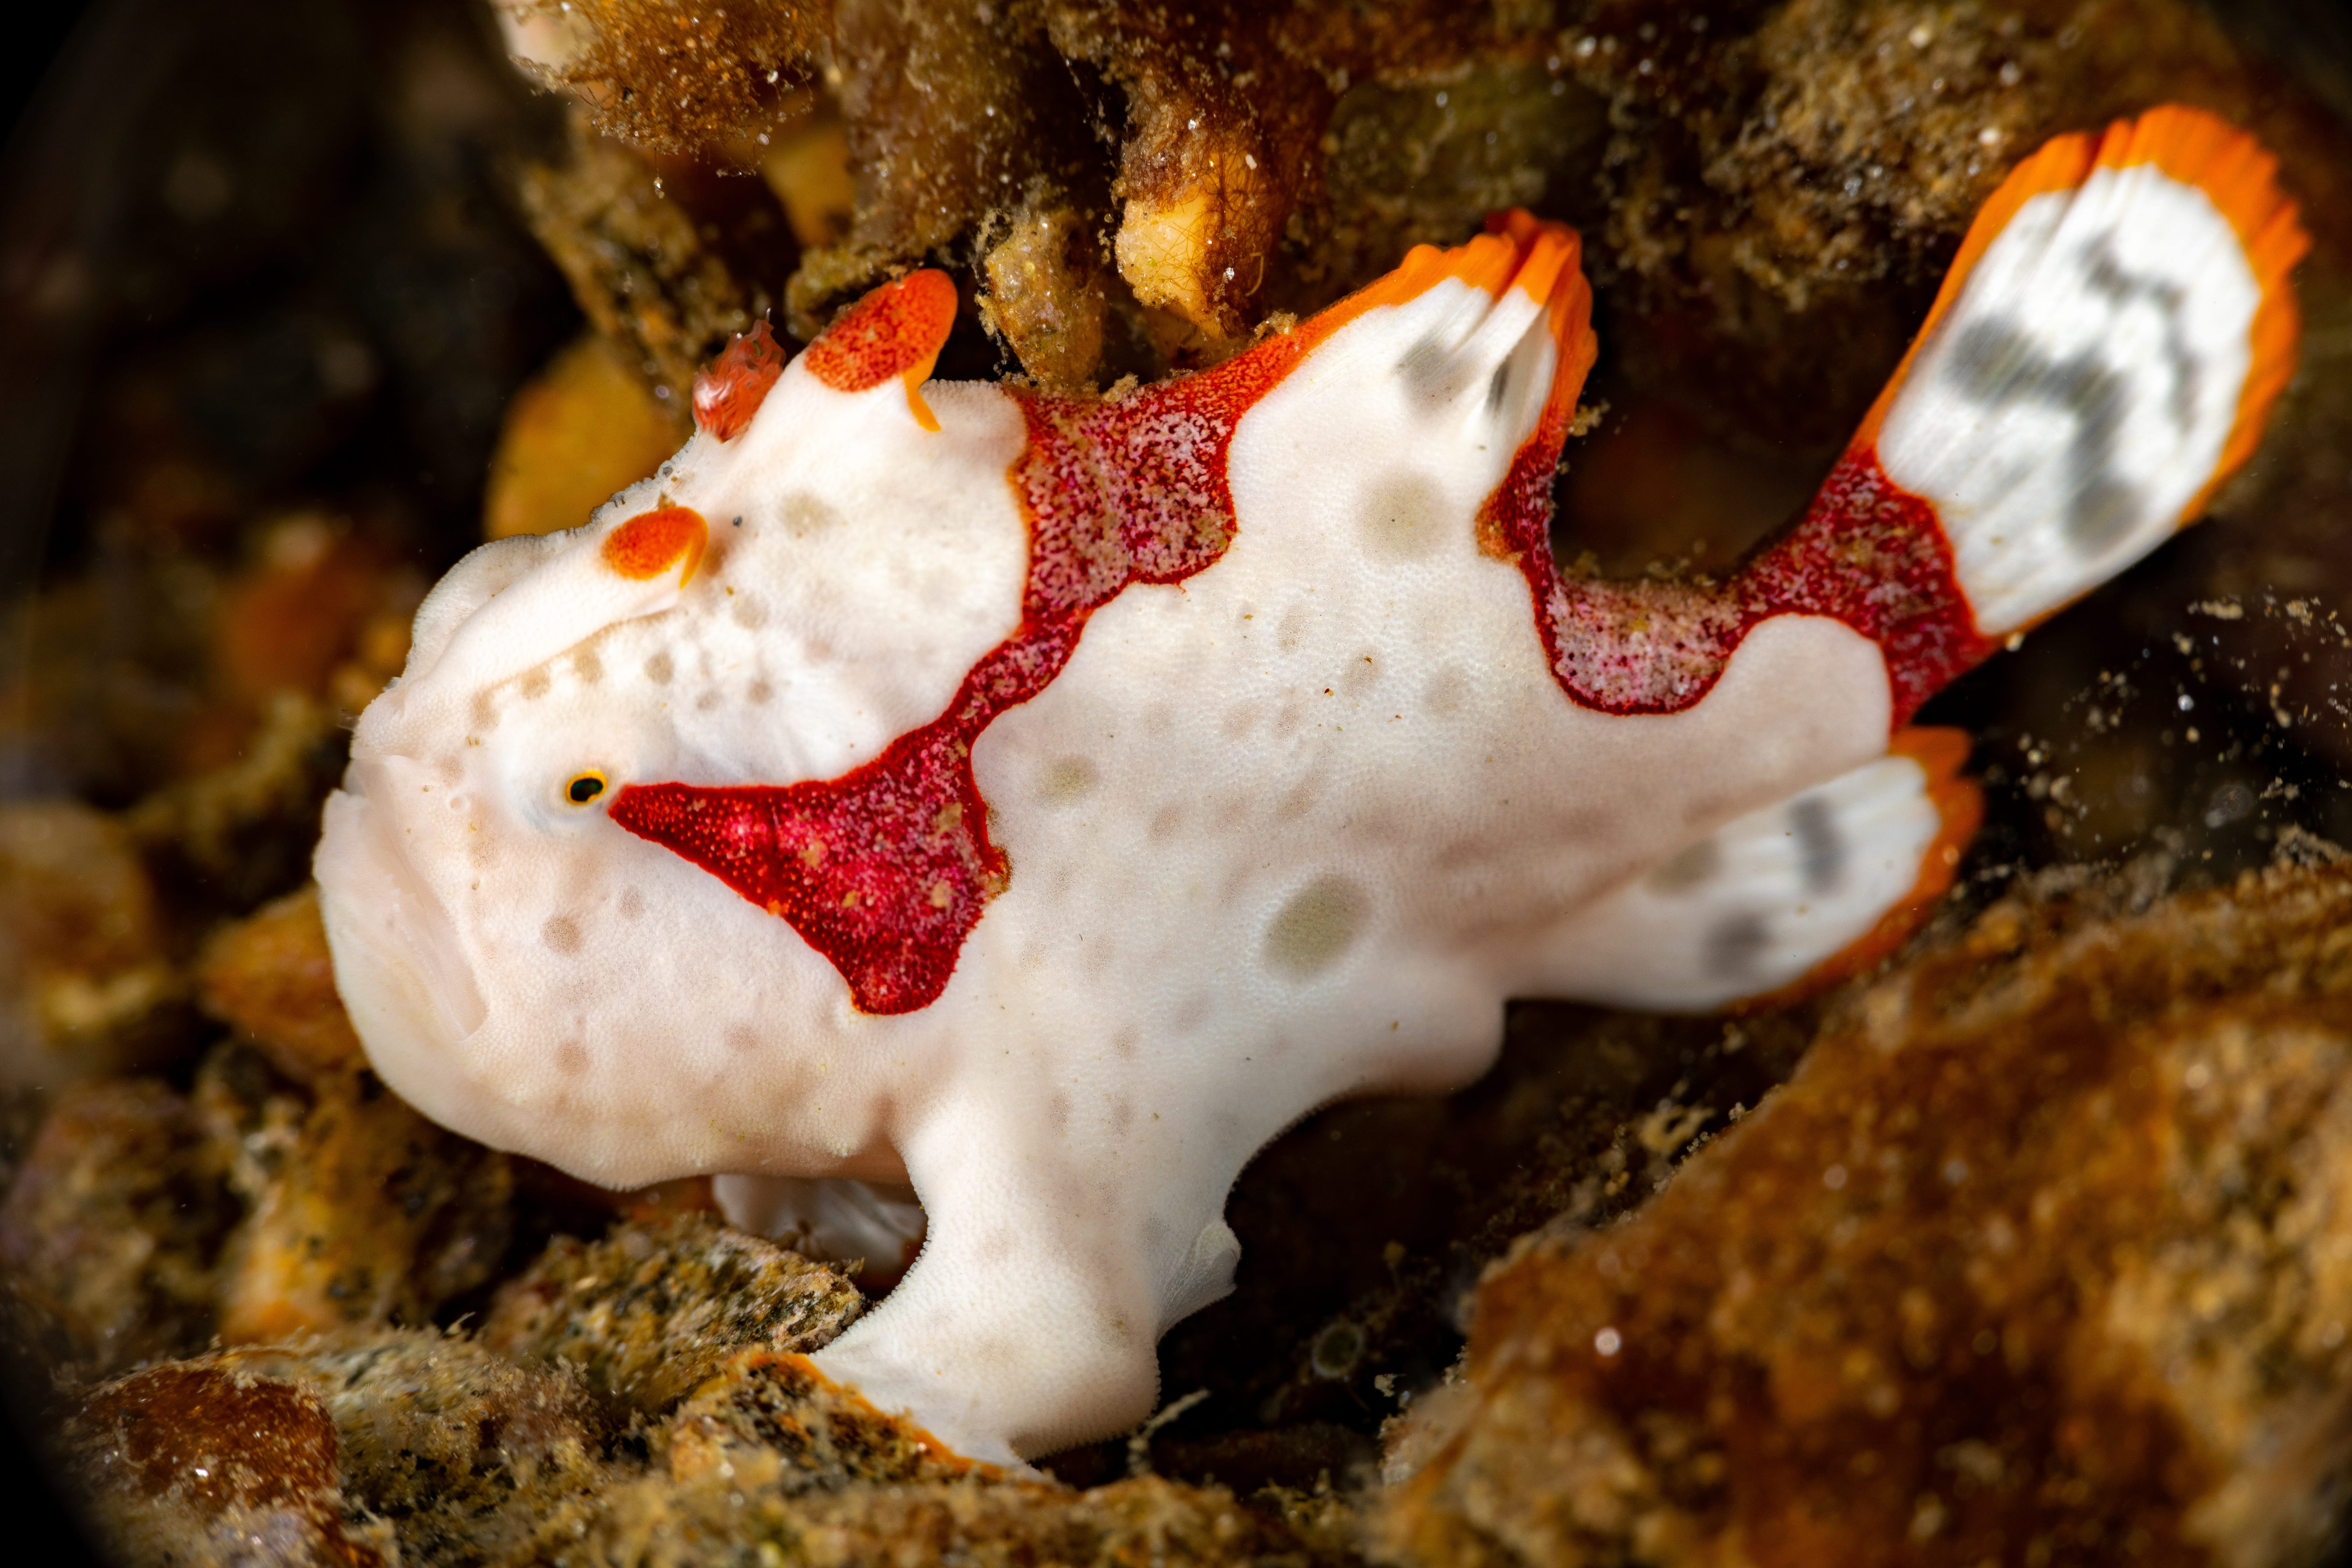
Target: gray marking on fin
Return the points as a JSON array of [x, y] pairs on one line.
[[2105, 276], [1735, 942], [1821, 852], [1498, 386], [1993, 363]]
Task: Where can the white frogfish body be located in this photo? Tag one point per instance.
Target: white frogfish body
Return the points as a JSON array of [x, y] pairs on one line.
[[1042, 802]]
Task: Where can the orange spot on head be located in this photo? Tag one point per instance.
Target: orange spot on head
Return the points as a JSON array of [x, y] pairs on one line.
[[895, 332], [653, 542]]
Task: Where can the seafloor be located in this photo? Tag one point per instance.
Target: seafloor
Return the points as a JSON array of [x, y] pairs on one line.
[[2033, 1248]]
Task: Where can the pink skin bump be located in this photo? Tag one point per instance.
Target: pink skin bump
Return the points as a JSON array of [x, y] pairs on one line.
[[1039, 802]]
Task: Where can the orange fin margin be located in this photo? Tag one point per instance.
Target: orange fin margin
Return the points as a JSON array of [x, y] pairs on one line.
[[1537, 256]]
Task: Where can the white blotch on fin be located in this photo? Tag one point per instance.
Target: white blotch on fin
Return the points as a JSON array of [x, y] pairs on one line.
[[1765, 898], [2079, 393], [837, 1220]]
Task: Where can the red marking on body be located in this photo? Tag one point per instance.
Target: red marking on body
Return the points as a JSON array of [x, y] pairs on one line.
[[885, 870], [1867, 552], [653, 542], [730, 389]]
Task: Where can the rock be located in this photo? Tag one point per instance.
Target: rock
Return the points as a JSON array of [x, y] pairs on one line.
[[667, 279], [583, 428], [362, 1212], [191, 1462], [2039, 1253], [319, 595], [271, 978], [230, 835], [86, 986], [657, 1307], [459, 1450], [112, 1227], [771, 1420]]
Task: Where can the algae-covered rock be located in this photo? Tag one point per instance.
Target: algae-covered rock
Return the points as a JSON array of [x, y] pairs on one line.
[[654, 1308], [111, 1229], [459, 1450], [2037, 1257], [194, 1462], [361, 1211]]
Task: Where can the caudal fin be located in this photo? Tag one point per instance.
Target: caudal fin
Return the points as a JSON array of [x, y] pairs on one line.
[[2105, 351]]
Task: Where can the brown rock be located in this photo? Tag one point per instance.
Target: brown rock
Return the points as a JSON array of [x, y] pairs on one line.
[[111, 1227], [673, 78], [191, 1462], [771, 1419], [459, 1450], [1045, 295], [235, 835], [669, 285], [362, 1213], [583, 428], [2037, 1257], [654, 1309], [86, 986], [271, 978], [780, 1478], [301, 607]]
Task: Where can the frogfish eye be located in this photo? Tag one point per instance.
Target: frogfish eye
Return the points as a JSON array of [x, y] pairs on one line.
[[584, 787]]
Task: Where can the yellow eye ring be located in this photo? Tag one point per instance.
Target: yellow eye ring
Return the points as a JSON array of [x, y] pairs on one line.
[[584, 787]]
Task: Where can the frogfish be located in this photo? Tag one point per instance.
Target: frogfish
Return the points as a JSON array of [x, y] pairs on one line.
[[1027, 806]]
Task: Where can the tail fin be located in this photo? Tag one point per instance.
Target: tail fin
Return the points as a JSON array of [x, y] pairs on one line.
[[2105, 351]]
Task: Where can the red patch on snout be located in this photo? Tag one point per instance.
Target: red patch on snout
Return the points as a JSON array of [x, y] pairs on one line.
[[886, 868]]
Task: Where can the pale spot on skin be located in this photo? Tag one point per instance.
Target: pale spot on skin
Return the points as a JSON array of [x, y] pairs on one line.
[[760, 691], [534, 685], [705, 702], [658, 669], [1069, 781], [587, 667], [572, 1058], [561, 934], [633, 903], [1689, 869], [802, 515], [1316, 926], [1400, 517], [748, 613]]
